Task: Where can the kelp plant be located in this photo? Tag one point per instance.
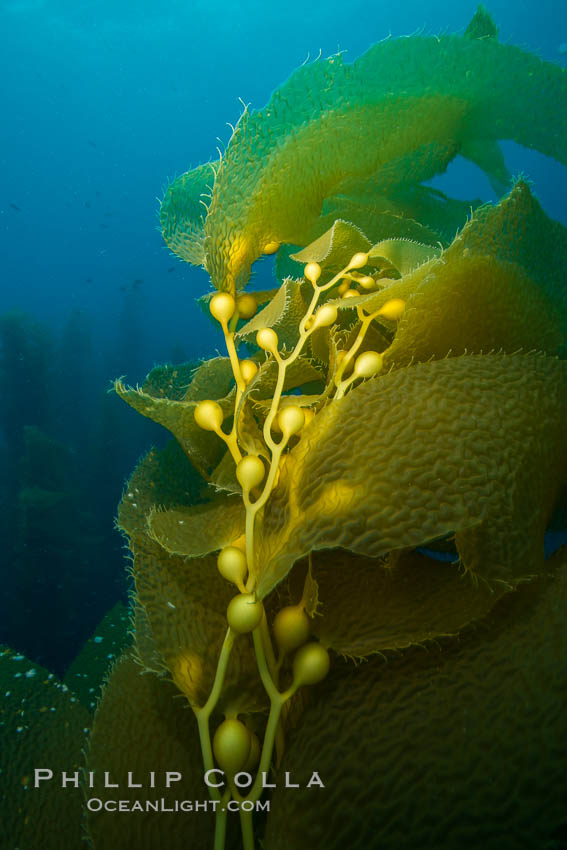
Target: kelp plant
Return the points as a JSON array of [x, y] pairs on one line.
[[401, 394]]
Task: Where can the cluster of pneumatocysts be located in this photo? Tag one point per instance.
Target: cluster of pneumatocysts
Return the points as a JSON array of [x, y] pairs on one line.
[[235, 746]]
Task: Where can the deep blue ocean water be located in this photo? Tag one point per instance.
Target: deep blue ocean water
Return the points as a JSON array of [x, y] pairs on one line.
[[102, 103]]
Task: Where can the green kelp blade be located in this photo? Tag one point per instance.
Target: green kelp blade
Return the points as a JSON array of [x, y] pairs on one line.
[[170, 381], [249, 433], [211, 379], [370, 218], [476, 304], [144, 649], [325, 345], [376, 338], [403, 254], [288, 401], [203, 448], [390, 288], [367, 475], [302, 372], [500, 286], [463, 745], [224, 479], [44, 725], [184, 599], [368, 606], [481, 25], [517, 230], [330, 126], [197, 530], [141, 729], [165, 478], [416, 213], [89, 668], [420, 213], [334, 248], [283, 314], [183, 211]]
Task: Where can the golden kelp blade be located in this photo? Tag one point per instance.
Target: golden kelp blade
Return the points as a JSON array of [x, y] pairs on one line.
[[368, 606], [197, 530], [418, 454], [184, 601], [416, 212], [499, 286], [203, 449], [459, 748], [419, 213], [212, 379], [141, 726], [334, 248], [331, 125], [283, 314]]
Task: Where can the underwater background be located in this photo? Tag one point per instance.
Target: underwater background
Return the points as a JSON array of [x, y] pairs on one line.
[[102, 104]]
